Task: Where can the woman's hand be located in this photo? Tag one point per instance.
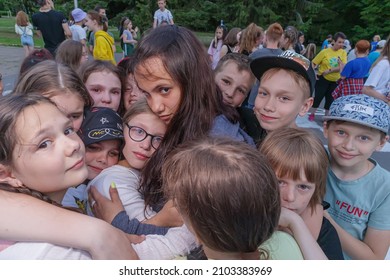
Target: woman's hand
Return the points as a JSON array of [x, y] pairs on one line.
[[104, 208]]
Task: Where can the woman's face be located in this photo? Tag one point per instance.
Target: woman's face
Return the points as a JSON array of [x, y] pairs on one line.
[[162, 93], [91, 24]]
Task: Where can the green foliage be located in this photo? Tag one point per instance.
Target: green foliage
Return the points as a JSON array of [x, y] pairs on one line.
[[317, 18]]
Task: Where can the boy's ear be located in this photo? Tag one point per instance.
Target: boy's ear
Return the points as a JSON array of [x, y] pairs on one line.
[[306, 106], [6, 176], [382, 142]]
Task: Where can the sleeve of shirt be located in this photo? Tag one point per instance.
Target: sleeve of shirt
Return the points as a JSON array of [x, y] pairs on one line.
[[34, 22], [133, 226], [375, 76], [347, 70], [318, 58], [178, 241]]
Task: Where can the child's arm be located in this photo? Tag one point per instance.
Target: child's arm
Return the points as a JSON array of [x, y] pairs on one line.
[[369, 90], [112, 211], [313, 220], [25, 218], [167, 217], [294, 223], [224, 51], [373, 247]]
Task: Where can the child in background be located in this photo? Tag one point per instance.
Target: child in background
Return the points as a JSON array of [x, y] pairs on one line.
[[103, 82], [61, 85], [78, 32], [286, 89], [310, 51], [230, 43], [102, 135], [354, 72], [235, 79], [131, 92], [232, 176], [35, 57], [216, 45], [162, 15], [104, 44], [250, 39], [25, 29], [357, 188], [300, 162], [72, 54], [128, 37]]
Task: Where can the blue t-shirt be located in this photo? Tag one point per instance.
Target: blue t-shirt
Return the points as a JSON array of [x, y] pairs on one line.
[[357, 68], [358, 204], [373, 56]]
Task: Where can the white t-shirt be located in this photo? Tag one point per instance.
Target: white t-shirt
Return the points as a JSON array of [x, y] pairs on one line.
[[379, 77], [127, 184], [41, 251], [78, 33]]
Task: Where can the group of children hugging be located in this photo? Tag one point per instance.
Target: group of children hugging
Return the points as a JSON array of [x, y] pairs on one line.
[[151, 159]]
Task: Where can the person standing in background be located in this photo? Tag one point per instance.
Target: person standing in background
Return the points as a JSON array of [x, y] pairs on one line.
[[78, 32], [162, 14], [52, 25], [328, 61], [25, 29]]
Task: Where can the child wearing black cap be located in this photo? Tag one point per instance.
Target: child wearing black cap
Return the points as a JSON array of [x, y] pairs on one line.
[[102, 134], [286, 89]]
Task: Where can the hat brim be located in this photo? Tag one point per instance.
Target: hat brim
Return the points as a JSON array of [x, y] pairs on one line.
[[262, 64], [328, 118], [88, 140]]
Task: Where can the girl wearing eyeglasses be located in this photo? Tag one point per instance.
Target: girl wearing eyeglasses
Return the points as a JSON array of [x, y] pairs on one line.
[[143, 133]]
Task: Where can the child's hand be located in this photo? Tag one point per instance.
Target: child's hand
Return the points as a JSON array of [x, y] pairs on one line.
[[136, 29], [287, 220], [167, 217], [135, 239], [104, 208]]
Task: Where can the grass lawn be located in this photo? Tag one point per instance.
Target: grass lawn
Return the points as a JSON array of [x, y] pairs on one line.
[[8, 37]]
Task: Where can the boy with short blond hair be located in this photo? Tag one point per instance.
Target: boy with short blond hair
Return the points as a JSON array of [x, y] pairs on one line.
[[162, 15], [286, 89], [358, 188]]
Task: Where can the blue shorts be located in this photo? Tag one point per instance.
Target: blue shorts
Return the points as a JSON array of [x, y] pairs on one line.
[[27, 40]]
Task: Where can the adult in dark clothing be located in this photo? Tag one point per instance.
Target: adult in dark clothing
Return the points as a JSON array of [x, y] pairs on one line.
[[51, 25]]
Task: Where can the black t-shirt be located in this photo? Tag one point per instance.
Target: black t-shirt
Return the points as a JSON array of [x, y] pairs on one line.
[[50, 25], [329, 241]]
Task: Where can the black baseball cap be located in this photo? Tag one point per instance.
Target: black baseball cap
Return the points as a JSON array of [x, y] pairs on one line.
[[100, 124], [287, 60]]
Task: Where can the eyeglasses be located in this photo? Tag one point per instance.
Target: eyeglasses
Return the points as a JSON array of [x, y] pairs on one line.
[[138, 134]]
